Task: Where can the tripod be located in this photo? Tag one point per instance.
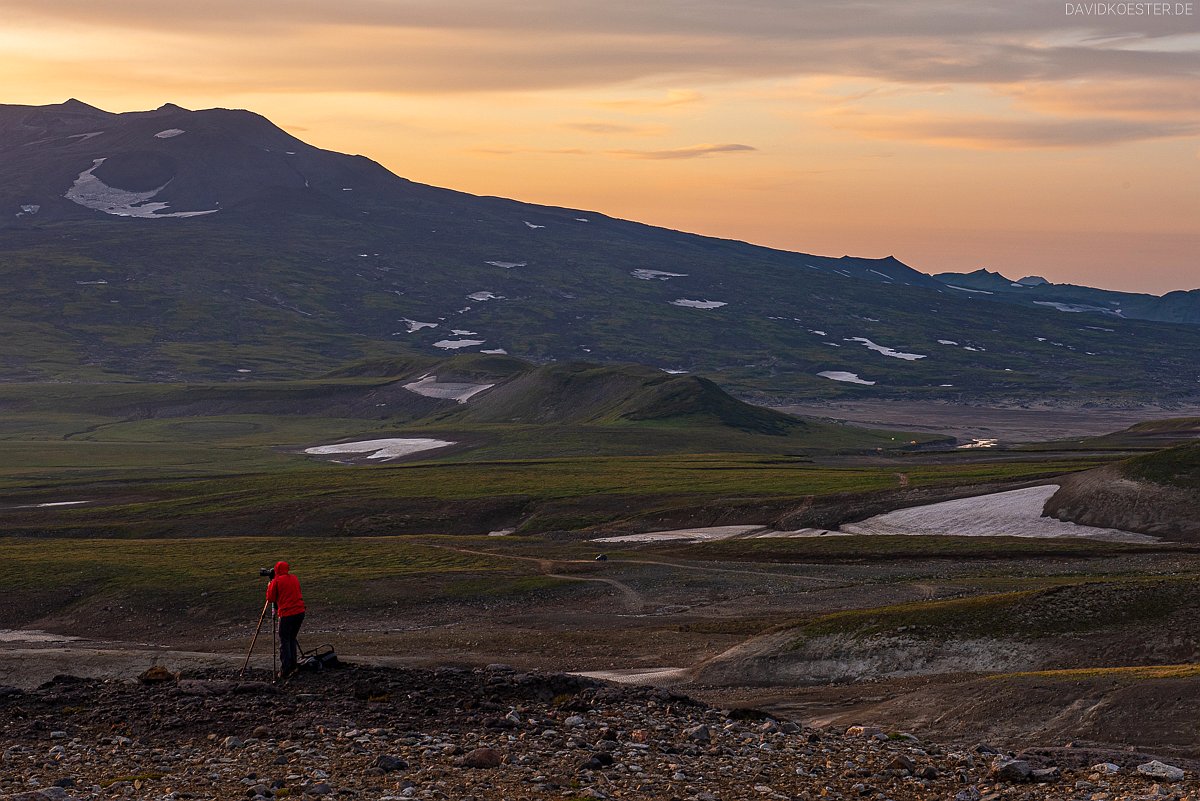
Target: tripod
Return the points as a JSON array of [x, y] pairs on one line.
[[254, 639]]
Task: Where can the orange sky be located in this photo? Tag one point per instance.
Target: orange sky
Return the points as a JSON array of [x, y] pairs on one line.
[[953, 135]]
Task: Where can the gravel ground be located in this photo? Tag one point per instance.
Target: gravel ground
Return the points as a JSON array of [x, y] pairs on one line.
[[494, 733]]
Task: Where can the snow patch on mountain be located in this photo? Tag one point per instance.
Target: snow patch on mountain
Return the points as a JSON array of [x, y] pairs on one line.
[[382, 449], [416, 325], [1077, 308], [170, 133], [699, 304], [886, 351], [508, 265], [656, 275], [841, 375], [482, 296], [429, 387], [92, 193], [455, 344]]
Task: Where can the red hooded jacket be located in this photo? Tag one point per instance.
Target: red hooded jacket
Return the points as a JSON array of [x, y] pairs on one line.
[[284, 591]]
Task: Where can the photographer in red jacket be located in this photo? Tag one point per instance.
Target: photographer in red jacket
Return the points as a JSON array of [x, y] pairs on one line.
[[284, 592]]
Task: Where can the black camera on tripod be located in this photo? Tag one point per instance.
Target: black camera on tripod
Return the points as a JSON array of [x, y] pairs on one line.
[[267, 572]]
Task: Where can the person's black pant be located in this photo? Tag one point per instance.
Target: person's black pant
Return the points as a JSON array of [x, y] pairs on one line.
[[289, 628]]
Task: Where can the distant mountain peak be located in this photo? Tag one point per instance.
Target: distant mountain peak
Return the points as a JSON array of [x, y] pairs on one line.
[[1032, 280], [74, 104]]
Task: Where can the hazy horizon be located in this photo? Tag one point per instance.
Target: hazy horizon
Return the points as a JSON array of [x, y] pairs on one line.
[[1023, 139]]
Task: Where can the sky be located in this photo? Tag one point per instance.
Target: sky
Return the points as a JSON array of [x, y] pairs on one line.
[[1033, 137]]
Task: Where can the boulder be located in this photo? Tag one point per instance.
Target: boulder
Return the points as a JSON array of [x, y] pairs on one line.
[[480, 758], [1011, 770], [388, 763], [1161, 770]]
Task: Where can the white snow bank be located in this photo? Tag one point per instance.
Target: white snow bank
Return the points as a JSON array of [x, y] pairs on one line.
[[90, 192], [656, 275], [416, 325], [482, 296], [840, 375], [699, 304], [886, 351], [169, 133], [685, 534], [532, 225], [1017, 513], [508, 265], [1077, 308], [382, 449], [430, 387], [455, 344], [495, 352], [947, 342], [33, 636]]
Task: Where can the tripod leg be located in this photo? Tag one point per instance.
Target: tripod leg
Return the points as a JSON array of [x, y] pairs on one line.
[[254, 639], [274, 644]]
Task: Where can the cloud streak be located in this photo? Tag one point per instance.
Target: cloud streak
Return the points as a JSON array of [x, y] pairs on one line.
[[689, 152], [1002, 133]]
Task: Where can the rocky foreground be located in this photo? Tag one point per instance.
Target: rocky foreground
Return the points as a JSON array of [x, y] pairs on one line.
[[374, 733]]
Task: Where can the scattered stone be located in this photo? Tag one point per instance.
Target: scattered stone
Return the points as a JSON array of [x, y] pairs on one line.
[[863, 731], [1046, 775], [1011, 770], [157, 675], [481, 758], [388, 763], [1161, 770]]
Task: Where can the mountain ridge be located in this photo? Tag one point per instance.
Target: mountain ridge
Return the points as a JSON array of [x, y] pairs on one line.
[[285, 260]]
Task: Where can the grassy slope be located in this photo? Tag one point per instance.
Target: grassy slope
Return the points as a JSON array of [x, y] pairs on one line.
[[1174, 467], [231, 298], [1070, 607]]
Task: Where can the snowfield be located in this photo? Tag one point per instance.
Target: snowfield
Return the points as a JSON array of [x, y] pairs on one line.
[[1078, 308], [92, 193], [886, 351], [685, 534], [1017, 513], [699, 304], [170, 133], [482, 296], [429, 387], [381, 449], [416, 325], [840, 375], [656, 275], [508, 265], [455, 344]]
